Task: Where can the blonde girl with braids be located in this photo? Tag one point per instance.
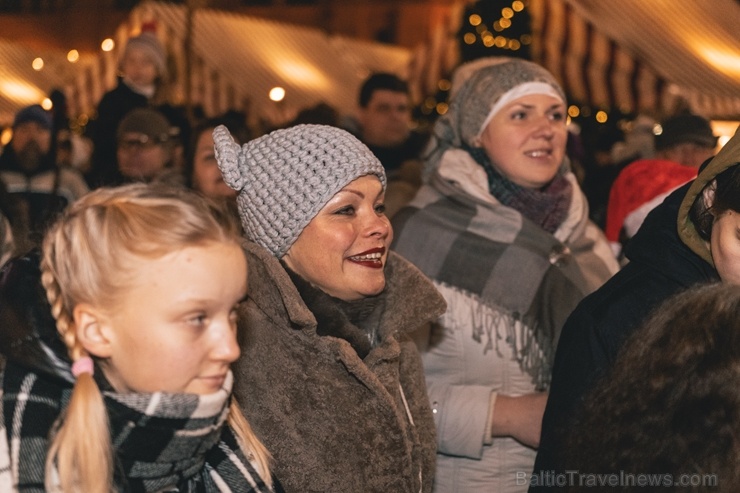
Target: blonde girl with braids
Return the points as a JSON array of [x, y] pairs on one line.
[[134, 393]]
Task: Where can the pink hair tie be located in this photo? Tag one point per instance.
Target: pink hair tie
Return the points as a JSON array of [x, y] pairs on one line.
[[82, 365]]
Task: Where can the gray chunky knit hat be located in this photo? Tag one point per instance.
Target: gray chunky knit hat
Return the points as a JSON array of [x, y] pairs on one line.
[[482, 87], [286, 177]]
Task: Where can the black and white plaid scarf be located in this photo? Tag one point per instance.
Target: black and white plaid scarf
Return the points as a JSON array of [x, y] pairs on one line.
[[163, 442]]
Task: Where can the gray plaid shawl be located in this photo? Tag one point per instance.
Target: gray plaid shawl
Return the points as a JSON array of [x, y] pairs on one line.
[[162, 441], [505, 261]]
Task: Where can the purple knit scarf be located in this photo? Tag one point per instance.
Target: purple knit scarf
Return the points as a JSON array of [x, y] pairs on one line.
[[548, 206]]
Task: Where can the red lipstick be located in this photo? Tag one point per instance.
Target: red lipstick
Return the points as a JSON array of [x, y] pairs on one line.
[[372, 258]]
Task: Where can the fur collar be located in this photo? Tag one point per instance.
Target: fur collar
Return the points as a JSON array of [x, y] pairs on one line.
[[410, 298]]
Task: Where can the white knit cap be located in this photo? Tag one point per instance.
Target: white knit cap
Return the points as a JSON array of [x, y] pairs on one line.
[[149, 44], [286, 177]]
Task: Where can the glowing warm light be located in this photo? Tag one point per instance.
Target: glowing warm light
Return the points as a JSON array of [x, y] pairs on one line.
[[497, 27], [500, 41], [444, 85], [474, 20], [73, 56], [573, 111], [442, 108], [296, 72], [514, 44], [724, 130], [47, 104], [505, 23], [37, 64], [20, 91], [507, 13], [601, 116], [430, 102], [469, 38], [488, 41], [517, 6], [5, 136], [277, 94], [107, 44], [725, 62], [657, 129]]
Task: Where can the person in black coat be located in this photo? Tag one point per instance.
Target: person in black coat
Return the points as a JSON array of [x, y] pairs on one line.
[[684, 242], [143, 70]]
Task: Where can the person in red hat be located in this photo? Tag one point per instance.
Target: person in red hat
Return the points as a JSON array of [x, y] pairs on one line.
[[682, 144]]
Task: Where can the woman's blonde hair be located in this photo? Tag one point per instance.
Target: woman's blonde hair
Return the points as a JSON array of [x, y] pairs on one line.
[[86, 256]]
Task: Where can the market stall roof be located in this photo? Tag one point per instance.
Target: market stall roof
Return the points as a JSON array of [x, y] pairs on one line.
[[238, 57], [21, 84], [633, 55], [641, 55], [237, 61]]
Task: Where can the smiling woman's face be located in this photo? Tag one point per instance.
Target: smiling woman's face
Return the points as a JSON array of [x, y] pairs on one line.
[[526, 139], [207, 177], [343, 250]]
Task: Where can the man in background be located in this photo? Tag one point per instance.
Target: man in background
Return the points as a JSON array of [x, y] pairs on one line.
[[37, 189], [145, 147], [385, 126], [682, 143]]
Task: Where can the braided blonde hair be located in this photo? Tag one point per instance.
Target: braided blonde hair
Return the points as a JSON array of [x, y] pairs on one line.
[[86, 256]]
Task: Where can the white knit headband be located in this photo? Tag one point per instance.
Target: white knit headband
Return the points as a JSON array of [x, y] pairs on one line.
[[517, 92]]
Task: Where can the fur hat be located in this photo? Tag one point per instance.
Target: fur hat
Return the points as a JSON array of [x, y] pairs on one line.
[[149, 43], [286, 177], [34, 113]]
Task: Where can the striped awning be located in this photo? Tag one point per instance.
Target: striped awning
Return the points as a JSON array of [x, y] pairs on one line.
[[236, 60], [21, 84], [240, 58], [643, 56]]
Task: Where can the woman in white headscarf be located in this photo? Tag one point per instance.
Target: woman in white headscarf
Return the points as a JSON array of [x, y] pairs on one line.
[[502, 229]]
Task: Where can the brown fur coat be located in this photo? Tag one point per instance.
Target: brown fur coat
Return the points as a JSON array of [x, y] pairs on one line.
[[335, 422]]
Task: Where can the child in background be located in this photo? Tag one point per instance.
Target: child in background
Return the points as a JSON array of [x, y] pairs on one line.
[[134, 392], [142, 83]]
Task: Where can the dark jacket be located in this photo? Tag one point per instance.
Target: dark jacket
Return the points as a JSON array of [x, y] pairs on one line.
[[112, 108], [660, 265], [333, 420], [29, 336], [33, 198]]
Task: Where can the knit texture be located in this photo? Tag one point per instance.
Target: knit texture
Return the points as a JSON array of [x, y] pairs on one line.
[[474, 101], [286, 177]]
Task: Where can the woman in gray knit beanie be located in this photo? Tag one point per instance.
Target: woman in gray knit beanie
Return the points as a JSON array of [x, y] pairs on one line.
[[328, 377], [502, 229]]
